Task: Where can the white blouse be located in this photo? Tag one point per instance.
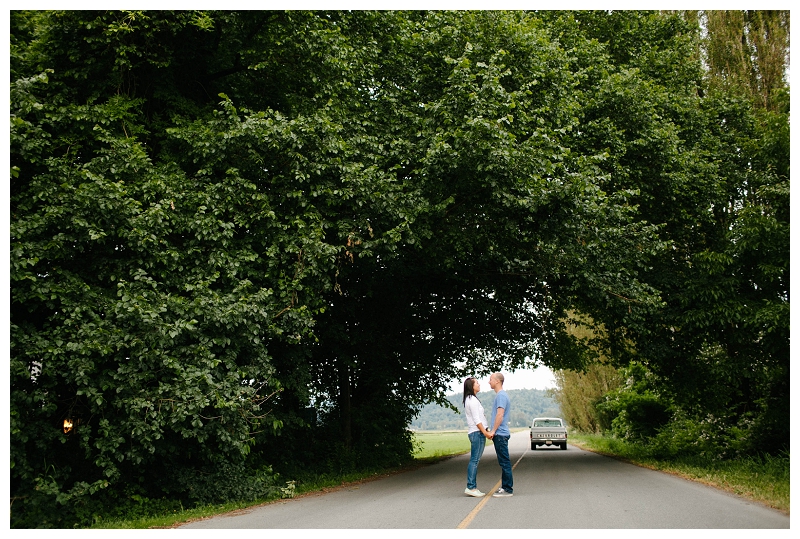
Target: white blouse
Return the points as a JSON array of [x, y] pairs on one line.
[[474, 412]]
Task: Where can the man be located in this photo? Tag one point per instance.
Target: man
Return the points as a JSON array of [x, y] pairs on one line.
[[501, 411]]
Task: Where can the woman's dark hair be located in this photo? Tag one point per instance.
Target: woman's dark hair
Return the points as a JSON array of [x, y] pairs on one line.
[[469, 389]]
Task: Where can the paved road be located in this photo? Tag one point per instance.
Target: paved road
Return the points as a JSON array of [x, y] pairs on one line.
[[571, 489]]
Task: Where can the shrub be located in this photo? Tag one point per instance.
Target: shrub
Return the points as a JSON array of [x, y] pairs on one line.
[[226, 481]]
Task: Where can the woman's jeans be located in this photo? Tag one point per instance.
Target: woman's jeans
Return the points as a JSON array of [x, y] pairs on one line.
[[478, 443]]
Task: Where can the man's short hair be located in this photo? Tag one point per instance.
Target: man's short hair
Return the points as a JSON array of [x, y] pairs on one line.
[[499, 377]]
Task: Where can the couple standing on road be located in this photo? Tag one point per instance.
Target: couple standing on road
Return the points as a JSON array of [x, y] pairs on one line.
[[498, 432]]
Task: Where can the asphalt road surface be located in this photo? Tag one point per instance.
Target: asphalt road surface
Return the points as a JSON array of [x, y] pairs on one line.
[[571, 489]]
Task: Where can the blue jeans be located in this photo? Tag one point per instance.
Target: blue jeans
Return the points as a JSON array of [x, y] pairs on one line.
[[478, 443], [501, 449]]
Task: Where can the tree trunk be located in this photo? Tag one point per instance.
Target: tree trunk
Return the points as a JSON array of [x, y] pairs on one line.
[[344, 403]]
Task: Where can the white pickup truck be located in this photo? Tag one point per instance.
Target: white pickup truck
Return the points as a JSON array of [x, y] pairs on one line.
[[548, 431]]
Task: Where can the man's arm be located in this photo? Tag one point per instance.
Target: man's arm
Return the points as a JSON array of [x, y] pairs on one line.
[[498, 420]]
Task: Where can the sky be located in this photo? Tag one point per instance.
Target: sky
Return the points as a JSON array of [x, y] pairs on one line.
[[541, 378]]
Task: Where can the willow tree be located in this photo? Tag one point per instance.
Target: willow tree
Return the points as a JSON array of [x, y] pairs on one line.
[[749, 51]]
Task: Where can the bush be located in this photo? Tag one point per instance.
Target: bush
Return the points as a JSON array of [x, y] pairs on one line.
[[636, 410], [43, 508], [48, 506], [225, 482], [685, 436]]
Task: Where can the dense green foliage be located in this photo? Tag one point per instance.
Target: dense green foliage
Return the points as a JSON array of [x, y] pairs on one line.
[[244, 244], [525, 405], [711, 369]]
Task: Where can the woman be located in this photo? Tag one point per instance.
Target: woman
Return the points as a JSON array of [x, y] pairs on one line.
[[476, 421]]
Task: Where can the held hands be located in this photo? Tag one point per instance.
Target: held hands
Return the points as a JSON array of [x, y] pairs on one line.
[[489, 434]]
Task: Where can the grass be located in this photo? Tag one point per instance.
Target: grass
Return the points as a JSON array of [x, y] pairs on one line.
[[170, 520], [428, 444], [763, 479]]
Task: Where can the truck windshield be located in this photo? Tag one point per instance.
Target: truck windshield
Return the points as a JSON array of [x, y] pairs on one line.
[[547, 423]]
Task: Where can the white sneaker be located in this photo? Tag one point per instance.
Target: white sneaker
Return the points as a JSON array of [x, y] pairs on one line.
[[475, 493], [501, 493]]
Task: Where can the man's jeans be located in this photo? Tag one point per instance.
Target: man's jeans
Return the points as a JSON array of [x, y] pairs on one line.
[[501, 449], [478, 443]]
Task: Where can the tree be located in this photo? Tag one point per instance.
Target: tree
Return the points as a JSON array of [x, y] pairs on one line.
[[579, 393], [138, 316], [748, 51]]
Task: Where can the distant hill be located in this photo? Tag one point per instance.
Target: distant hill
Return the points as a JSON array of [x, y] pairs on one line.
[[525, 405]]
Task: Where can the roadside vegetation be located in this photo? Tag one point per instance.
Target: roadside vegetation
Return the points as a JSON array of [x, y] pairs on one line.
[[165, 513], [169, 514], [159, 516], [629, 413], [762, 478]]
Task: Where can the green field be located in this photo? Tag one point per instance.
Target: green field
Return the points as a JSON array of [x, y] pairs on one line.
[[429, 444], [439, 443]]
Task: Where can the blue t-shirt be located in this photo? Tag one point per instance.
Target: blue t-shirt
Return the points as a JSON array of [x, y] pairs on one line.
[[501, 400]]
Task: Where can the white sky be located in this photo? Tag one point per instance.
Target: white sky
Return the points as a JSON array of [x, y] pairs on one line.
[[541, 378]]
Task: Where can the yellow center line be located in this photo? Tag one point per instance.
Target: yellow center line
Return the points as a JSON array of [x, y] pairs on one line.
[[466, 522]]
